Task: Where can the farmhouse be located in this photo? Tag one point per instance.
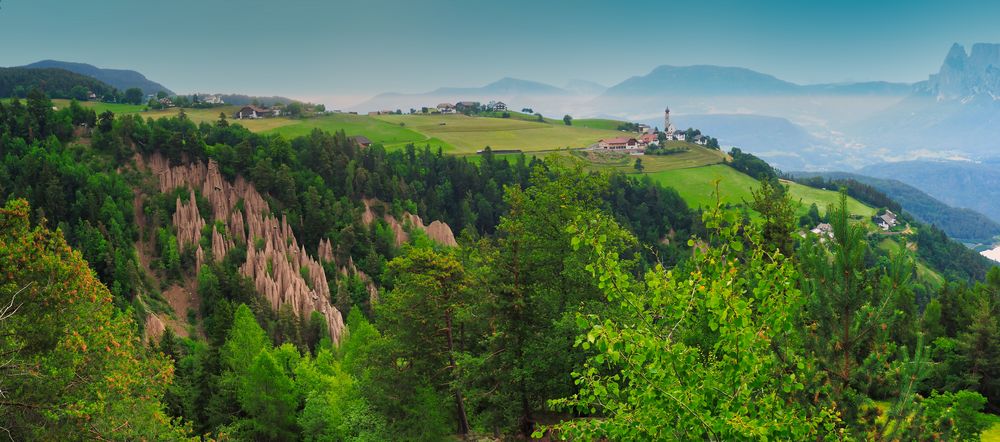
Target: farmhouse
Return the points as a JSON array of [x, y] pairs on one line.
[[644, 128], [446, 108], [497, 106], [251, 112], [887, 220], [619, 143], [463, 106], [166, 102], [362, 141], [381, 112], [648, 139]]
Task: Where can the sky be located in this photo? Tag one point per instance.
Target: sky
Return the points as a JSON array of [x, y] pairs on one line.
[[343, 51]]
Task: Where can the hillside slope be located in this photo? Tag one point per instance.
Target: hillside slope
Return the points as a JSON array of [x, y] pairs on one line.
[[697, 186], [965, 225], [121, 79], [56, 83]]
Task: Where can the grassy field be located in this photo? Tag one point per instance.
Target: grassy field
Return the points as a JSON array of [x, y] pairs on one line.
[[924, 273], [376, 130], [467, 135], [696, 186], [598, 123], [695, 156], [100, 107], [455, 134], [992, 434], [388, 134]]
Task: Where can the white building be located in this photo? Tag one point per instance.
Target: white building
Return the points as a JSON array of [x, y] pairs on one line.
[[211, 99], [446, 108]]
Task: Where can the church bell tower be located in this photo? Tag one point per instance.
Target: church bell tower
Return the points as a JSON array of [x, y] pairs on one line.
[[667, 128]]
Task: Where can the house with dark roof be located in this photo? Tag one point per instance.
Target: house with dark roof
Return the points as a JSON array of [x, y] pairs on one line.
[[446, 108], [251, 112], [886, 220], [362, 141], [463, 106]]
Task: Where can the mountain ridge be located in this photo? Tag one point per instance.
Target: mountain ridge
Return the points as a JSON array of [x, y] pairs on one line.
[[121, 79], [711, 80]]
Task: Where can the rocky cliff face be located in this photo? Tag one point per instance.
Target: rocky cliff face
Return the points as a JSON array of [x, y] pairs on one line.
[[281, 269], [967, 76], [436, 230]]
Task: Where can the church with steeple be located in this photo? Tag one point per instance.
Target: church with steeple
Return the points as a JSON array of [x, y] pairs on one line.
[[668, 128]]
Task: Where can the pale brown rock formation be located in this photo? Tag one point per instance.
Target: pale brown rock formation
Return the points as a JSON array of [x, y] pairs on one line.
[[188, 221], [154, 328], [281, 269], [438, 231]]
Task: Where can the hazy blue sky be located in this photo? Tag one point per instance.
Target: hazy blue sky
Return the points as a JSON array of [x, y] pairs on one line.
[[354, 48]]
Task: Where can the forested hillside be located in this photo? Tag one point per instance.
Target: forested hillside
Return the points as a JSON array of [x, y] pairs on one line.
[[57, 83], [254, 287], [120, 79]]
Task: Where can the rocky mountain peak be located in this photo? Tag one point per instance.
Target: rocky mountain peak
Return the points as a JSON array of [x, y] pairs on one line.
[[968, 76]]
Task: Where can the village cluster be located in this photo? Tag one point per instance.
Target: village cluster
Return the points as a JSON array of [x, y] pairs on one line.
[[649, 137]]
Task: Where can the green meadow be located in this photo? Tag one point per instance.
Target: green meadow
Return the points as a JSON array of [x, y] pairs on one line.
[[697, 187], [101, 107], [694, 156], [467, 134]]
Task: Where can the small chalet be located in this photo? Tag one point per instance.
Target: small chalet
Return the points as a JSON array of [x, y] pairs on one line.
[[91, 95], [700, 140], [362, 141], [887, 220], [497, 106], [166, 102], [620, 143], [446, 108], [252, 112], [644, 128], [463, 106], [381, 112]]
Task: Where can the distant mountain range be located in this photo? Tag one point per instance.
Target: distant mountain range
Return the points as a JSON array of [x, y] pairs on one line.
[[966, 76], [504, 87], [516, 92], [584, 87], [955, 112], [708, 80], [118, 78], [661, 84]]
